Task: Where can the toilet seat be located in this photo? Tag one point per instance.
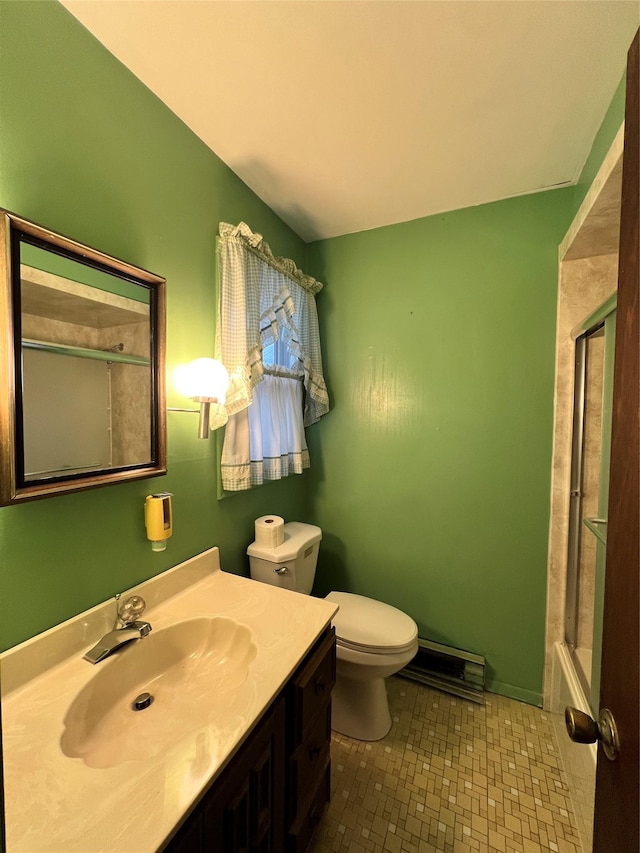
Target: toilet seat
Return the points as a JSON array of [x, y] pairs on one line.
[[363, 624], [377, 650]]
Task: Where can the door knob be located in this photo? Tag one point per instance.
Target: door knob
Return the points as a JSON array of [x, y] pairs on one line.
[[584, 729]]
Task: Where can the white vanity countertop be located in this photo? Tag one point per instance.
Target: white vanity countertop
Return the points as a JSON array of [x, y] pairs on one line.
[[56, 803]]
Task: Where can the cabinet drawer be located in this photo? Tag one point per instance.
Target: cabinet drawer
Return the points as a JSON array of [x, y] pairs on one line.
[[312, 685], [302, 830], [310, 761]]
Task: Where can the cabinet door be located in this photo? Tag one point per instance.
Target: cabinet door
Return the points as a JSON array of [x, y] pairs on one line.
[[262, 780], [190, 838], [234, 823], [244, 811]]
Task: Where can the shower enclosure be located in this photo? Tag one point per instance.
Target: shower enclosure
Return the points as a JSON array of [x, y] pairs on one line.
[[586, 557], [585, 336]]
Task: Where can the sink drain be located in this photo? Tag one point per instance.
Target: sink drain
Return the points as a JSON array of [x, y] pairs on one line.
[[142, 701]]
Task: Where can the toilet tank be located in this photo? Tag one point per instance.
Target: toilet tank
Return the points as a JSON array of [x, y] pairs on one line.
[[291, 565]]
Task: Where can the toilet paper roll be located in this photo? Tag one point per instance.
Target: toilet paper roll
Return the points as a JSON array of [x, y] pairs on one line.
[[269, 531]]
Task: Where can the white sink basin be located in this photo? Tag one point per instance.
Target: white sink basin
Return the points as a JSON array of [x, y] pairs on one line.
[[190, 669]]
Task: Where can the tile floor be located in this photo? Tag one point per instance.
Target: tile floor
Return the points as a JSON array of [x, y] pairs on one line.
[[451, 776]]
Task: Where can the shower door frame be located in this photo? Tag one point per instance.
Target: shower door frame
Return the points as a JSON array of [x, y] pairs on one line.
[[601, 319], [575, 494]]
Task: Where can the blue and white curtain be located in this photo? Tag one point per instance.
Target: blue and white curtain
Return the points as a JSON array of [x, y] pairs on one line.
[[267, 337]]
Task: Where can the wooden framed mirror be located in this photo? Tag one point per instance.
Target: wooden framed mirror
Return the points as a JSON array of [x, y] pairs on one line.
[[82, 366]]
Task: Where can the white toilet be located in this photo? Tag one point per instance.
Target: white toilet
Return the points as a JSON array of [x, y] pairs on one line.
[[374, 640]]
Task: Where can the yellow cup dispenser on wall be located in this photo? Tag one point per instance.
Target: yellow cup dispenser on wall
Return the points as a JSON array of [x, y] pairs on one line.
[[158, 519]]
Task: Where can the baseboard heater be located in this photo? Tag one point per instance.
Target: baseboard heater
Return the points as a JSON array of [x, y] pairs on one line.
[[448, 669]]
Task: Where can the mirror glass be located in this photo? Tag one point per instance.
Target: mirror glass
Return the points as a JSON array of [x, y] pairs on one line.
[[87, 334]]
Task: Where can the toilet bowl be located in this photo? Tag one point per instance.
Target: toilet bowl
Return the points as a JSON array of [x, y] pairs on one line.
[[373, 640]]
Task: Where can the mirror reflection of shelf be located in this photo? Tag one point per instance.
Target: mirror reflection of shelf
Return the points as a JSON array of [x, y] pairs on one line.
[[54, 297], [598, 526]]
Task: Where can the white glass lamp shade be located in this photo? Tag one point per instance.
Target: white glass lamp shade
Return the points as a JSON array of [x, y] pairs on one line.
[[203, 379]]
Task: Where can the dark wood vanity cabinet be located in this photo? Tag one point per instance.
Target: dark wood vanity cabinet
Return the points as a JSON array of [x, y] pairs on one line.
[[243, 810], [273, 792], [309, 741]]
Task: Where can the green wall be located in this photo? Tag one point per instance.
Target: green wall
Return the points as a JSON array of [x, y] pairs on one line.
[[87, 150], [434, 480], [607, 131], [431, 474]]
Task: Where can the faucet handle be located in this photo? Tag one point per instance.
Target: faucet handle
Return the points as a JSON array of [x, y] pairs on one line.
[[131, 608]]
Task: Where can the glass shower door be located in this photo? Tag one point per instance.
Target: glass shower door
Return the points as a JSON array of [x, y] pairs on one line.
[[588, 501]]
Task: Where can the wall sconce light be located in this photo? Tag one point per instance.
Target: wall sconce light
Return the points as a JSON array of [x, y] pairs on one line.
[[205, 380]]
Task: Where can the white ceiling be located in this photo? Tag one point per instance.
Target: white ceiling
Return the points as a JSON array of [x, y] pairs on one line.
[[344, 116]]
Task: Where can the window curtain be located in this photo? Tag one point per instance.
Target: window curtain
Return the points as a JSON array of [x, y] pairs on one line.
[[264, 300]]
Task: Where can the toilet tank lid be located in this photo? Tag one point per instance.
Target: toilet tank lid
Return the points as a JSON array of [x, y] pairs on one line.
[[297, 537], [366, 622]]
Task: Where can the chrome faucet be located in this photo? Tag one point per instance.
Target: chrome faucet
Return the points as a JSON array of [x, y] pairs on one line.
[[125, 629]]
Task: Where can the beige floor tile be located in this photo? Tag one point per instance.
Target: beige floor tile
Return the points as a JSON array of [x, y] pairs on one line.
[[450, 777]]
